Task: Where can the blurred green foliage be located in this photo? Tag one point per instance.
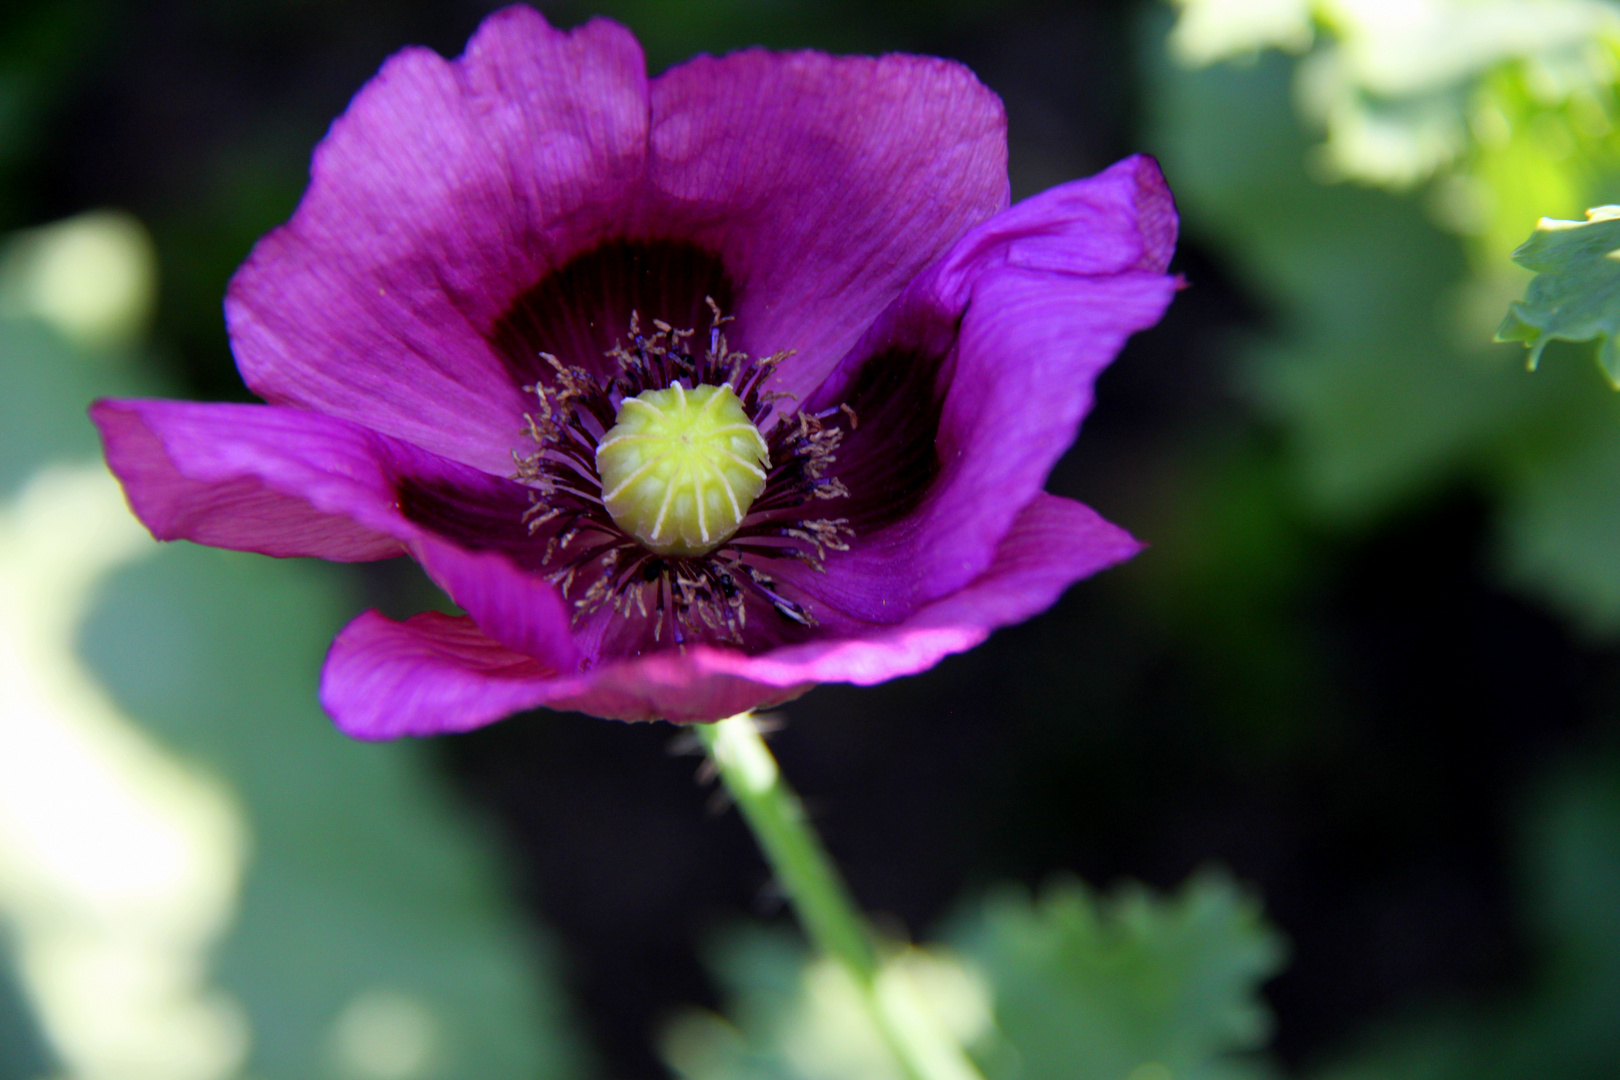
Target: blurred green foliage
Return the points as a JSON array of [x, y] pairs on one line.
[[1368, 195], [364, 882], [23, 1055], [1375, 363], [1129, 985], [1140, 986], [373, 935], [1132, 986], [1406, 92]]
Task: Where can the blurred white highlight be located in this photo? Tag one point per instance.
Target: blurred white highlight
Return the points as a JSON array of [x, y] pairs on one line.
[[1211, 30], [119, 864], [384, 1034], [825, 1031], [739, 746], [93, 277], [943, 1006], [1392, 81]]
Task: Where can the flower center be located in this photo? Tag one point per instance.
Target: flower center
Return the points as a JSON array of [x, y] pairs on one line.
[[671, 487], [680, 468]]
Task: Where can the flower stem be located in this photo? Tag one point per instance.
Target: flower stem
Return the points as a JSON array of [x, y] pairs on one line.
[[924, 1048]]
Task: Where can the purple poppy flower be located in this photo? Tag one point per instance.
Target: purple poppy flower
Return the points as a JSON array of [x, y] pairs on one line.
[[809, 261]]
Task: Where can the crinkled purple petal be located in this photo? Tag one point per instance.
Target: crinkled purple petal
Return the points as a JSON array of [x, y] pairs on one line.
[[1045, 295], [1053, 543], [466, 217], [431, 674], [288, 482], [522, 611], [826, 184], [1122, 219], [443, 191], [451, 189], [252, 478], [435, 674]]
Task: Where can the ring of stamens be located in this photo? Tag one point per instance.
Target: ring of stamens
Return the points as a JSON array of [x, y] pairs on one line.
[[699, 585]]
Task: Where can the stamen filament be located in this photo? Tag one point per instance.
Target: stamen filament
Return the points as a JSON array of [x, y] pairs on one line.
[[656, 488]]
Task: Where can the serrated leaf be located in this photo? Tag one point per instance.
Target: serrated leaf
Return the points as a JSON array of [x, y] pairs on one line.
[[1575, 295], [1134, 984], [1072, 985]]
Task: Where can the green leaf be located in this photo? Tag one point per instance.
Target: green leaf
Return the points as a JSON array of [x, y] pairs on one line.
[[1575, 295], [1130, 985], [1135, 986]]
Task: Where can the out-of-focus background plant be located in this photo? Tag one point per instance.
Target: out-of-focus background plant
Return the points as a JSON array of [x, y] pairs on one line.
[[1368, 666]]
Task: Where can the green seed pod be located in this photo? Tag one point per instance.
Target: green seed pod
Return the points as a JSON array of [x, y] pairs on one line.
[[680, 468]]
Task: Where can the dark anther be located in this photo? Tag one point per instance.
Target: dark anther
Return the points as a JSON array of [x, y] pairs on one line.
[[596, 563]]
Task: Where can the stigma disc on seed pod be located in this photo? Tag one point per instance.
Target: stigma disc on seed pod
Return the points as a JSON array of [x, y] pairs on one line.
[[681, 467]]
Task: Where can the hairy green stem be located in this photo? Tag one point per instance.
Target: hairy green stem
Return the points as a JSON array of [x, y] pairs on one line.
[[924, 1048]]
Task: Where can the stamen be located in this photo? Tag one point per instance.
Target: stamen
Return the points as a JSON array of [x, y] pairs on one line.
[[718, 516]]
